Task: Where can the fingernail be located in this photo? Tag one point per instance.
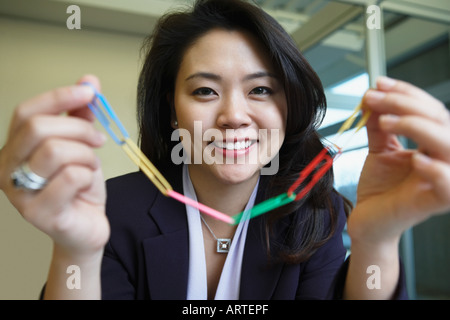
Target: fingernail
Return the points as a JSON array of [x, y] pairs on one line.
[[101, 137], [388, 120], [82, 91], [385, 82], [374, 96], [421, 160]]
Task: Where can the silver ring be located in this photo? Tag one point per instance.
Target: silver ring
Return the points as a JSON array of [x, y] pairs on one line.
[[24, 178]]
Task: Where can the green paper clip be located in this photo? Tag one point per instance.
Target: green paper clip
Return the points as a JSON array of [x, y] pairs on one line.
[[265, 206]]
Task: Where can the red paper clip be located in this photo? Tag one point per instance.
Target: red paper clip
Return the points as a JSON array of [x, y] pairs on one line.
[[321, 157]]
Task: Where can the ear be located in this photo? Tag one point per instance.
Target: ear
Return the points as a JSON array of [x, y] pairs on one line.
[[173, 115]]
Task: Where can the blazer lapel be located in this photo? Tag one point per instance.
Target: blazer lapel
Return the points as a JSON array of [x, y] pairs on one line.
[[259, 277], [167, 254]]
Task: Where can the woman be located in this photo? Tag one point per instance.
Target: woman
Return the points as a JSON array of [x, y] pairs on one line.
[[231, 68]]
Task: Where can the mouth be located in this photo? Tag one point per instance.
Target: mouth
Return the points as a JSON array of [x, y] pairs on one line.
[[237, 145], [234, 148]]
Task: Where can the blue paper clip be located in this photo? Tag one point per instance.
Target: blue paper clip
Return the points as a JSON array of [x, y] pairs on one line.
[[96, 108]]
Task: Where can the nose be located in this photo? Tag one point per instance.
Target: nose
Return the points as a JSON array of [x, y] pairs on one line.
[[234, 113]]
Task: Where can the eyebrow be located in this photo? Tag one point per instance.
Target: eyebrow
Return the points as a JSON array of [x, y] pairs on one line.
[[260, 74], [206, 75], [216, 77]]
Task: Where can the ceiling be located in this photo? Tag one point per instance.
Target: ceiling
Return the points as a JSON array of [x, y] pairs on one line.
[[330, 33]]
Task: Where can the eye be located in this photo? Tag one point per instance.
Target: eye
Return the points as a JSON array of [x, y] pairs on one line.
[[261, 91], [204, 92]]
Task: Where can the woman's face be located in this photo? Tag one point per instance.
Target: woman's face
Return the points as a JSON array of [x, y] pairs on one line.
[[230, 103]]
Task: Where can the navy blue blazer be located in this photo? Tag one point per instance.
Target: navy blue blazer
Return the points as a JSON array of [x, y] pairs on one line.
[[148, 252]]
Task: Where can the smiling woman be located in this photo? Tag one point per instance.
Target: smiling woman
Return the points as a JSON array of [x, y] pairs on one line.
[[231, 67]]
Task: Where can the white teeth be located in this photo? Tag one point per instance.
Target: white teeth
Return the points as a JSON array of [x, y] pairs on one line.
[[233, 146]]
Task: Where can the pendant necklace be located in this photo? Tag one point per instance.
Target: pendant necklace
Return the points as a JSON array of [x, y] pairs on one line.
[[223, 244]]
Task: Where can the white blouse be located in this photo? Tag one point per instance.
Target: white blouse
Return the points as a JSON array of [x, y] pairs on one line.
[[230, 278]]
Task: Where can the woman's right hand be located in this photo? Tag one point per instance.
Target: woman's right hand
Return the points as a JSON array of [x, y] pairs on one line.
[[59, 147]]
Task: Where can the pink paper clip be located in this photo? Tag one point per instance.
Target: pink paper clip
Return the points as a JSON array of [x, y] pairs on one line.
[[205, 209]]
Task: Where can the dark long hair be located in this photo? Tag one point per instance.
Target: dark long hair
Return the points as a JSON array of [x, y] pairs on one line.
[[164, 49]]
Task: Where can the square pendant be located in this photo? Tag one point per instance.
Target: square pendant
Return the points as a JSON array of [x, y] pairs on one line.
[[223, 245]]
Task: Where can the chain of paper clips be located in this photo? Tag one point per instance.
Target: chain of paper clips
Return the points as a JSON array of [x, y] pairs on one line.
[[316, 169]]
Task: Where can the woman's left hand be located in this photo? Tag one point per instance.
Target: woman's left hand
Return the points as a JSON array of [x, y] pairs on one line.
[[400, 188]]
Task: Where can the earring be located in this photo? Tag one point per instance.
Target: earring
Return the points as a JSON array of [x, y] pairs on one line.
[[175, 123]]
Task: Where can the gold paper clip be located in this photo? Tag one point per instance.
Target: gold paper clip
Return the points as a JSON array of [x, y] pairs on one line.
[[139, 158], [361, 123]]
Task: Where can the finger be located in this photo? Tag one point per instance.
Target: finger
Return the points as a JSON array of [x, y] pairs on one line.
[[387, 84], [85, 112], [405, 99], [54, 154], [92, 80], [437, 173], [52, 102], [380, 140], [41, 127], [430, 137], [56, 197]]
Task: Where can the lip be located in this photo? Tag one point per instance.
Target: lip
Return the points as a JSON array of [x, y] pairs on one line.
[[234, 148]]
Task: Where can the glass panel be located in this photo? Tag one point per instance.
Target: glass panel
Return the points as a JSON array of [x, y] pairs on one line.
[[418, 51], [340, 61]]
